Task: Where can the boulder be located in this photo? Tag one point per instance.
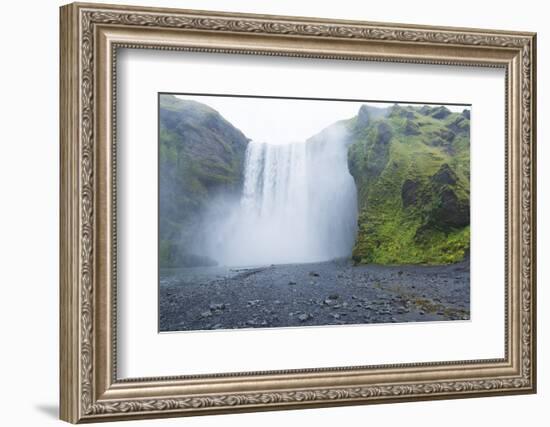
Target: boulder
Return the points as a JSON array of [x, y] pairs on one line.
[[444, 176], [440, 112], [409, 194], [451, 212]]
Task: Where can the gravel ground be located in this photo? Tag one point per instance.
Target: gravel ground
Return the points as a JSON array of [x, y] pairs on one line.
[[327, 293]]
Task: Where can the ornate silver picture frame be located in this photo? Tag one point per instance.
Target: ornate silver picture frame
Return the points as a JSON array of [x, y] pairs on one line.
[[91, 37]]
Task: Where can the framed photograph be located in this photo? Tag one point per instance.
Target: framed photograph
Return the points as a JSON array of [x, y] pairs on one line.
[[266, 212]]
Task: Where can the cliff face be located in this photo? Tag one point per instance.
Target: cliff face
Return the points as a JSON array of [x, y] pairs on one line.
[[201, 155], [411, 166]]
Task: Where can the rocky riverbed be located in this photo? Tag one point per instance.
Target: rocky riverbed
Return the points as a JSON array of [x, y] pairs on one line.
[[327, 293]]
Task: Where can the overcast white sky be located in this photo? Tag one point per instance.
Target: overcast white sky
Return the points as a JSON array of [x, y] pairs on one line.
[[281, 121]]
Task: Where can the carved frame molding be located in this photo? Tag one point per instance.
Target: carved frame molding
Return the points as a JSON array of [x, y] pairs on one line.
[[90, 36]]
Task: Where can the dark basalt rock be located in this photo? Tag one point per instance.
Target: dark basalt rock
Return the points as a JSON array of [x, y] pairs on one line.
[[448, 210], [444, 176], [411, 128], [409, 192], [426, 110], [443, 138], [461, 124], [446, 134], [384, 134], [451, 212], [440, 112], [399, 111]]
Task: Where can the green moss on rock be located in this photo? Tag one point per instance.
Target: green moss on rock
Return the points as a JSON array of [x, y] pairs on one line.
[[200, 156], [411, 168]]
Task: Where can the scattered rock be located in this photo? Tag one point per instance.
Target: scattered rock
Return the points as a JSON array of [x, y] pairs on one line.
[[329, 302], [305, 316], [314, 274], [214, 306], [292, 283], [253, 302]]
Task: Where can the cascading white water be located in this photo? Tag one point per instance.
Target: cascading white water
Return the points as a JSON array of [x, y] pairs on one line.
[[299, 204]]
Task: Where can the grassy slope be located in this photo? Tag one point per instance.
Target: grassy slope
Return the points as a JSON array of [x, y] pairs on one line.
[[200, 155], [429, 223]]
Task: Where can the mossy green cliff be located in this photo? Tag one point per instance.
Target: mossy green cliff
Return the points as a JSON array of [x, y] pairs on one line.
[[200, 156], [411, 166]]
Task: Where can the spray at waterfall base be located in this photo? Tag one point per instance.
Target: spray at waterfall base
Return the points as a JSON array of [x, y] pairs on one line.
[[298, 205]]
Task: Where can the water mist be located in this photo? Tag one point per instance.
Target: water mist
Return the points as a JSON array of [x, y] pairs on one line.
[[298, 205]]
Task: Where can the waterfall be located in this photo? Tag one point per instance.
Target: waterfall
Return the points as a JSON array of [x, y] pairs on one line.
[[275, 204], [298, 204]]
